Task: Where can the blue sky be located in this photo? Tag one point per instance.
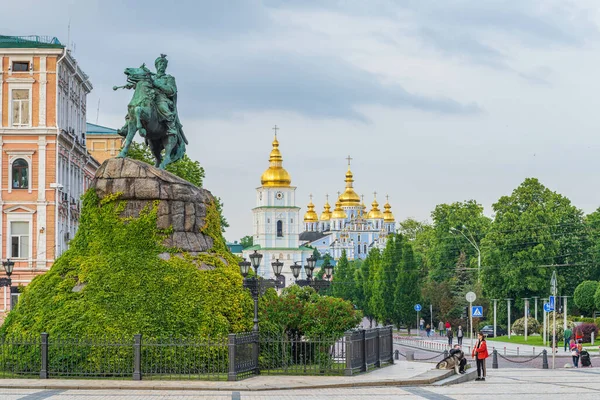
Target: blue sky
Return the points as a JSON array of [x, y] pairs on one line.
[[435, 101]]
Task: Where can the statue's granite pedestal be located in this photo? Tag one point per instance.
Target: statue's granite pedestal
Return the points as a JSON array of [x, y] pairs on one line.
[[181, 205]]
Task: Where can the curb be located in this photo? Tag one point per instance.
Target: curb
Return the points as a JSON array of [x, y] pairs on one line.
[[470, 375], [426, 378]]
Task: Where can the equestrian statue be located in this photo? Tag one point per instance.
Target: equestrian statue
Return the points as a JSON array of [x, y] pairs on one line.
[[152, 112]]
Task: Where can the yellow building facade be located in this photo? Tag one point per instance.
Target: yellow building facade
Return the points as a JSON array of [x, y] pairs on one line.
[[102, 142], [45, 165]]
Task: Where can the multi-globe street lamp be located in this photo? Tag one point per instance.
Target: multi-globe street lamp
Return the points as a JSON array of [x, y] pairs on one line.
[[256, 285], [310, 267], [8, 266]]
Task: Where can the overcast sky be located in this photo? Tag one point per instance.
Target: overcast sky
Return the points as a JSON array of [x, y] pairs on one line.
[[436, 101]]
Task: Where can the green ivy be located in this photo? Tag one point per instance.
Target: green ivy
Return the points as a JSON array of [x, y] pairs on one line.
[[122, 286]]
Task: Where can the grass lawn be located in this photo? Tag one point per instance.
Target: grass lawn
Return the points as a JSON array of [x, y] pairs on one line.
[[516, 339]]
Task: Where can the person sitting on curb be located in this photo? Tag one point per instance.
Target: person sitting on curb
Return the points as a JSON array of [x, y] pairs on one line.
[[458, 353]]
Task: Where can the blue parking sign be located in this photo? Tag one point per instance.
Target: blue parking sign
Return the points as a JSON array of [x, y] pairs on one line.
[[477, 311]]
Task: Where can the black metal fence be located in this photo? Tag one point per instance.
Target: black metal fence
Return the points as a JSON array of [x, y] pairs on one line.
[[235, 357]]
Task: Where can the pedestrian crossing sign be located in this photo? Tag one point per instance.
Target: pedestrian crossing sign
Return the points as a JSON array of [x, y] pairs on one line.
[[477, 311]]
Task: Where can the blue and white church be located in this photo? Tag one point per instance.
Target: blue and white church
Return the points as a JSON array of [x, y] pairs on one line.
[[349, 227]]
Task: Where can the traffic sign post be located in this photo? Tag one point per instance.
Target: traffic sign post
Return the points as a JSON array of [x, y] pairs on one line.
[[553, 287], [417, 309], [471, 298], [477, 311]]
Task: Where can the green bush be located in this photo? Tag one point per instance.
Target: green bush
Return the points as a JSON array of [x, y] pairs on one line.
[[584, 296], [112, 283], [533, 326]]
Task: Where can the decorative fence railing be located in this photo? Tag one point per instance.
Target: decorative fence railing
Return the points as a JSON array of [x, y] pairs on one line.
[[235, 357]]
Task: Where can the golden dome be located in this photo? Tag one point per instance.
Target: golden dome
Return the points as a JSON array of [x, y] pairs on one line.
[[326, 214], [349, 198], [387, 214], [275, 175], [375, 212], [311, 215], [338, 212]]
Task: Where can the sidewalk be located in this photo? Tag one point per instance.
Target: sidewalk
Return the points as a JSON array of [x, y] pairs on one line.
[[402, 373]]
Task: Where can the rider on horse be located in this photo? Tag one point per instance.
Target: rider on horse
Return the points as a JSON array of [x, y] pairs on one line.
[[166, 96]]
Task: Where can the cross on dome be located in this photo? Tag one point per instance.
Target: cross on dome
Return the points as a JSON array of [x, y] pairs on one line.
[[349, 159], [375, 194], [275, 128]]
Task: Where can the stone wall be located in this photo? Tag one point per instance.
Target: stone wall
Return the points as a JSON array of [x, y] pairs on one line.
[[181, 204]]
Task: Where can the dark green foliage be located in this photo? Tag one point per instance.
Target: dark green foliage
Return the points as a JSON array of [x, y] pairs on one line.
[[344, 284], [407, 291], [125, 288], [534, 228], [247, 241], [584, 296]]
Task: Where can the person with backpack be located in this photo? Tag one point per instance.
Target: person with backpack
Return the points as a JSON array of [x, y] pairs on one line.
[[459, 335], [480, 353]]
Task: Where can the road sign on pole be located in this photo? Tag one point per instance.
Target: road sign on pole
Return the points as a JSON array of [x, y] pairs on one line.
[[477, 311], [417, 307], [551, 303], [471, 297], [547, 307]]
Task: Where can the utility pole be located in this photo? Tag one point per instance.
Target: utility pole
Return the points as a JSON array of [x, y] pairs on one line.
[[553, 286], [508, 304]]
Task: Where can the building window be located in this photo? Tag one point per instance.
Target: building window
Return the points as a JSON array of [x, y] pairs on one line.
[[279, 228], [20, 174], [365, 249], [292, 221], [20, 107], [19, 239], [20, 66]]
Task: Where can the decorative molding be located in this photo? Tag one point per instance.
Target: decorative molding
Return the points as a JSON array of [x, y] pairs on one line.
[[20, 206], [42, 96], [20, 80]]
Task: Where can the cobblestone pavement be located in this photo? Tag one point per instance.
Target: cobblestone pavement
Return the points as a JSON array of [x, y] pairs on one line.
[[500, 385]]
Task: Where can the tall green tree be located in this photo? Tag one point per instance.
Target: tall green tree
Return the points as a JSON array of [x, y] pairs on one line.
[[247, 241], [407, 291], [584, 296], [343, 279], [535, 231], [364, 284], [384, 287]]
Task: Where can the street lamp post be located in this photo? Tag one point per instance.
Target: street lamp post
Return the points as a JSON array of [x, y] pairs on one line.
[[256, 285], [318, 285], [474, 244]]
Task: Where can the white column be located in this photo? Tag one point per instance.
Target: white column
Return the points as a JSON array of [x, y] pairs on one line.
[[42, 97], [41, 251], [1, 84]]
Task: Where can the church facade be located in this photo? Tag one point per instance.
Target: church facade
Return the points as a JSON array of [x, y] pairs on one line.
[[349, 227], [276, 221]]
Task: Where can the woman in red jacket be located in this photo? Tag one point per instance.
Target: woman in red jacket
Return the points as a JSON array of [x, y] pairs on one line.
[[480, 353]]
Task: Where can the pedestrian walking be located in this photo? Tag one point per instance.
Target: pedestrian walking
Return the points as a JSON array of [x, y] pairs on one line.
[[421, 323], [567, 337], [428, 330], [447, 326], [441, 328], [459, 335], [480, 353], [450, 336]]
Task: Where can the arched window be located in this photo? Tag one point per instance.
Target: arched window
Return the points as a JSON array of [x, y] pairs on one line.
[[279, 228], [20, 174]]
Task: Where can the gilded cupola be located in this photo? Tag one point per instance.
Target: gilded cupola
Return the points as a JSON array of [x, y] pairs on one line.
[[349, 198], [338, 212], [311, 215], [326, 214], [275, 175], [375, 212], [387, 214]]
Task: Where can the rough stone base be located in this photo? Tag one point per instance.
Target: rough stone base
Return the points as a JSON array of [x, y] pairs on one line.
[[181, 205]]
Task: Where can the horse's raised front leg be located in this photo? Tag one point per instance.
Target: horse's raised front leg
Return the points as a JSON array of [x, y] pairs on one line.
[[138, 121], [131, 129]]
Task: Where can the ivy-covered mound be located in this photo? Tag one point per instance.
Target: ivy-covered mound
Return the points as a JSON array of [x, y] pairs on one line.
[[116, 281]]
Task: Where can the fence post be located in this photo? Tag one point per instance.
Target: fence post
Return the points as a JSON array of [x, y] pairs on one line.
[[391, 344], [365, 366], [232, 375], [495, 359], [256, 352], [44, 353], [137, 357], [349, 354], [378, 348], [544, 359]]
